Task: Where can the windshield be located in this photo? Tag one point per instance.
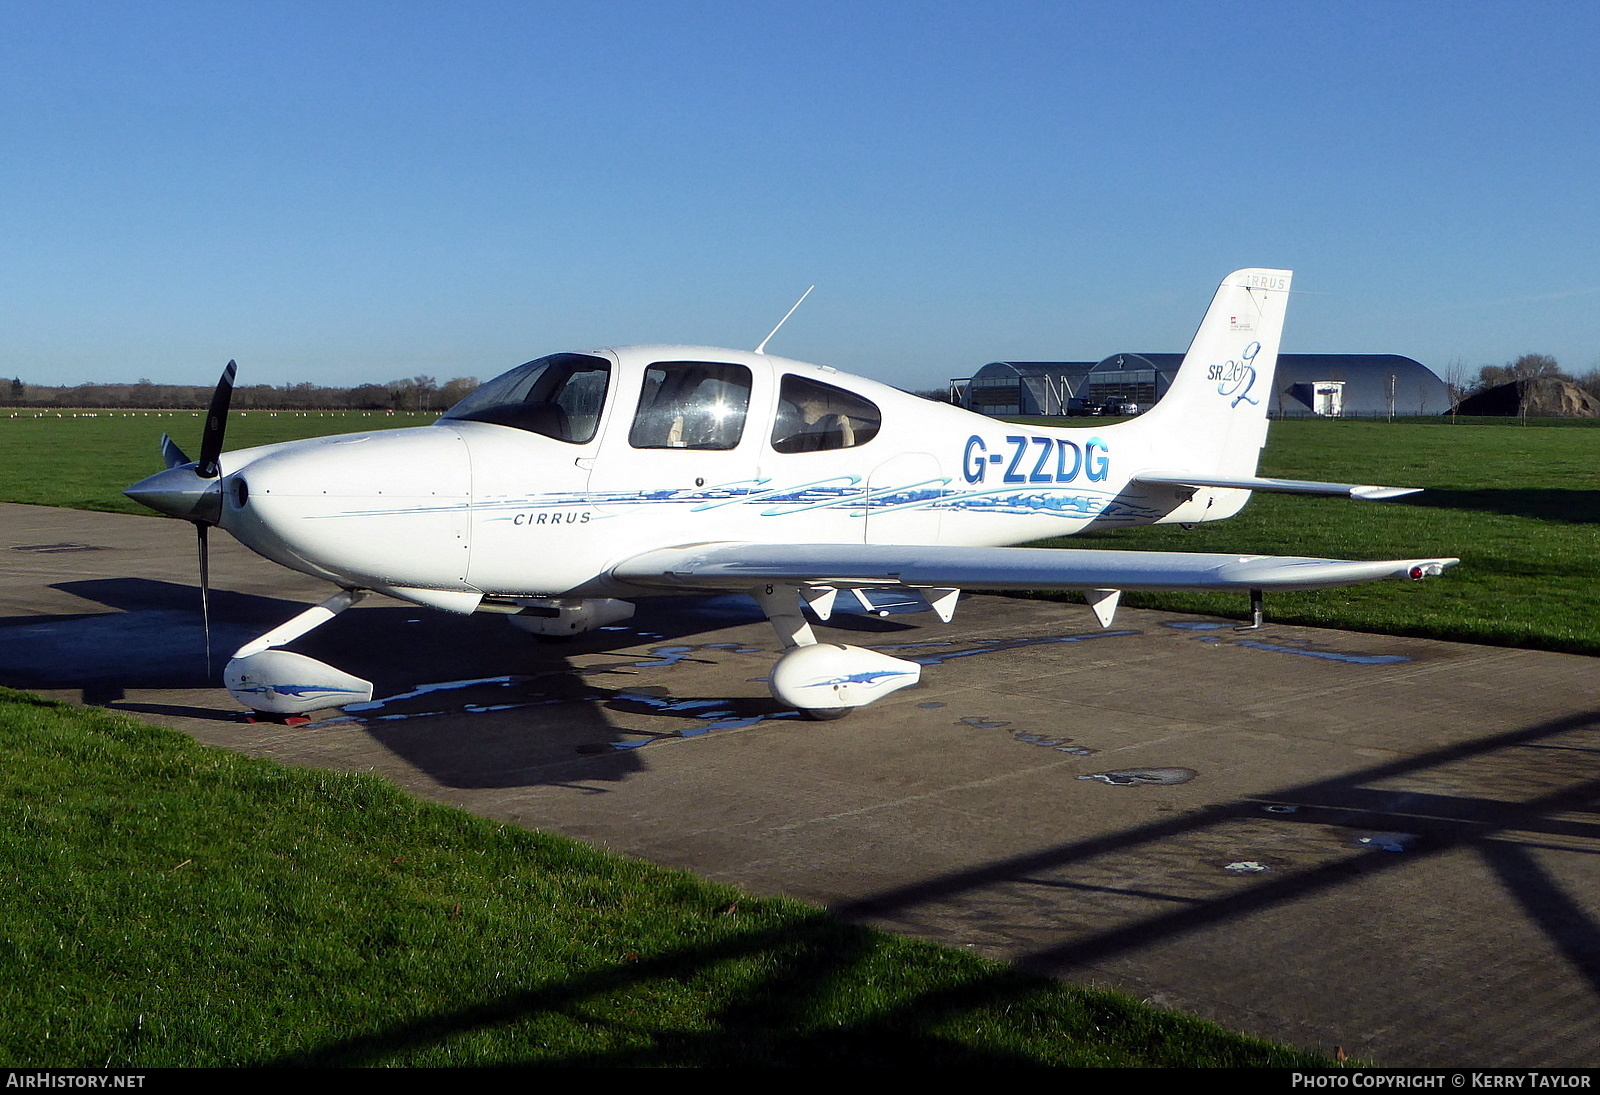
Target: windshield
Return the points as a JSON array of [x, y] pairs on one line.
[[559, 396]]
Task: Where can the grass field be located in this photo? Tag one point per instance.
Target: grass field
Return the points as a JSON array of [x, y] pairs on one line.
[[1519, 504], [83, 459], [168, 904]]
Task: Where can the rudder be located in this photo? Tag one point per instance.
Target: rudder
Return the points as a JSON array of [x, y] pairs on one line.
[[1215, 412]]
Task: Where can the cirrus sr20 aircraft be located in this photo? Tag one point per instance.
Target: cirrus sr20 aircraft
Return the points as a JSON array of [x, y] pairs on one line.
[[555, 492]]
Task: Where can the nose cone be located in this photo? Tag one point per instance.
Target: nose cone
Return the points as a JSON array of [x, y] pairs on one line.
[[179, 492]]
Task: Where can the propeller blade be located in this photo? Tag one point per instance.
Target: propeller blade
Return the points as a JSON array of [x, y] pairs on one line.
[[172, 455], [205, 591], [216, 425]]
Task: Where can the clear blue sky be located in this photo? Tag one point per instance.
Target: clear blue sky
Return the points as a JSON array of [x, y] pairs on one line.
[[349, 192]]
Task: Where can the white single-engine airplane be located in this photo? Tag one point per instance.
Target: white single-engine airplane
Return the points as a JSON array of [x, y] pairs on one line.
[[557, 490]]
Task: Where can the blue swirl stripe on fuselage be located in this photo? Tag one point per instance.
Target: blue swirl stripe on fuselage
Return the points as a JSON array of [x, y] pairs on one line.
[[835, 492]]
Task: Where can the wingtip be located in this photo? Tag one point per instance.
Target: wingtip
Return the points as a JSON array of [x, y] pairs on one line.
[[1429, 568], [1382, 494]]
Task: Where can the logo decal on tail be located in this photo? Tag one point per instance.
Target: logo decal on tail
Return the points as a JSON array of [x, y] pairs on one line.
[[1237, 378]]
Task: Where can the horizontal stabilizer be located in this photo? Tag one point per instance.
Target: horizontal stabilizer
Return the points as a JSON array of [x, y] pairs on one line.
[[723, 566], [1365, 492]]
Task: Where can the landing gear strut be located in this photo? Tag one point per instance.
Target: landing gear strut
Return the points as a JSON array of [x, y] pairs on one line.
[[1257, 612], [280, 682]]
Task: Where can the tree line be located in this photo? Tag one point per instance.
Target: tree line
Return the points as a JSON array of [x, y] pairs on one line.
[[1526, 367], [419, 393], [423, 393]]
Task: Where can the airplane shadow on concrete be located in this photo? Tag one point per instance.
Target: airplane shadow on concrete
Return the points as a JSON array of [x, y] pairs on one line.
[[565, 709], [1580, 507], [468, 700]]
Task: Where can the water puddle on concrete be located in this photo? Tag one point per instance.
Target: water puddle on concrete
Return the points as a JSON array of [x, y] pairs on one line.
[[665, 656], [1057, 742], [713, 714], [1246, 866], [708, 714], [1303, 649], [1327, 655], [425, 689], [1387, 842], [1135, 777], [995, 646], [57, 549]]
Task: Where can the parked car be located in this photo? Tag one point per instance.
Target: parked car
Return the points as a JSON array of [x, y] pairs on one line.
[[1125, 407]]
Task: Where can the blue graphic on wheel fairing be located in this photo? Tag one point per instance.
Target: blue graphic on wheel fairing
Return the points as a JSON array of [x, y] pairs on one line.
[[872, 677], [299, 691]]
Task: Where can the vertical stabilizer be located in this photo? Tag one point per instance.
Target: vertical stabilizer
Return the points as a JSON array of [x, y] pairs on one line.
[[1214, 417]]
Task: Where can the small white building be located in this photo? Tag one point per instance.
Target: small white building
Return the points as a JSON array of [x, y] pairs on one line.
[[1327, 398]]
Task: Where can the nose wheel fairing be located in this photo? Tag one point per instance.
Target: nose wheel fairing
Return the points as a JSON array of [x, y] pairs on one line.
[[281, 682]]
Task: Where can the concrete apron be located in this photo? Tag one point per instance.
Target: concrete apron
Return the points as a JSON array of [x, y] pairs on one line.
[[1325, 838]]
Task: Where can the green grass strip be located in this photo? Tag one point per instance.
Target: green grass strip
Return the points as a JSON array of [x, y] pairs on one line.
[[83, 460], [1519, 506], [169, 904]]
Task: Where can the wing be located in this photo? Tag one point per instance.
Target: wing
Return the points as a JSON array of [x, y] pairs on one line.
[[733, 566], [1365, 491]]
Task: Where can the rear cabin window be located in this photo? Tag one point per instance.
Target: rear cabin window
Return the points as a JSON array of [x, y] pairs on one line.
[[691, 405], [814, 417], [559, 396]]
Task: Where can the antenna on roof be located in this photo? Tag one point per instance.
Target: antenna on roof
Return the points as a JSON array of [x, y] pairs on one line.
[[761, 349]]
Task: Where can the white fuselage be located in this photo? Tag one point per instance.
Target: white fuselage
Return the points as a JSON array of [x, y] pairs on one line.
[[467, 507], [575, 481]]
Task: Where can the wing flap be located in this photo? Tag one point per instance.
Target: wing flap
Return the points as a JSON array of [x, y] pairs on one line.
[[724, 566], [1367, 492]]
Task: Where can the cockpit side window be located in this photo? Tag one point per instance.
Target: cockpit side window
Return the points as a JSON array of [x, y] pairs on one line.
[[813, 417], [691, 405], [559, 396]]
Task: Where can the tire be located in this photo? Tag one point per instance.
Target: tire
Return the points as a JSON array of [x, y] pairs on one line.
[[824, 714]]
